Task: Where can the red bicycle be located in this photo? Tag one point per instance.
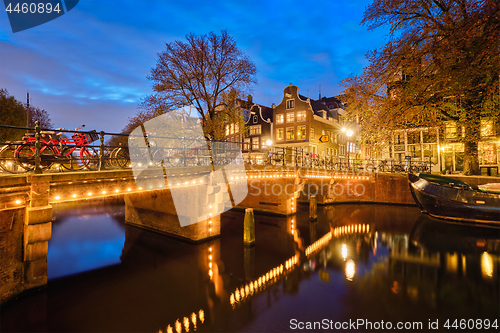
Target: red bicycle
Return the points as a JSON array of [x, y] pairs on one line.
[[70, 153]]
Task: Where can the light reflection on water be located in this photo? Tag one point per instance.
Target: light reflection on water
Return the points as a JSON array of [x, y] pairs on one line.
[[358, 261]]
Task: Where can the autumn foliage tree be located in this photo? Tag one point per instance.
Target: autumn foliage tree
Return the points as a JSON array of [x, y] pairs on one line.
[[441, 63], [208, 72]]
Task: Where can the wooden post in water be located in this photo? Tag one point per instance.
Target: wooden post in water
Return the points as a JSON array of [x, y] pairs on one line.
[[313, 208], [249, 228]]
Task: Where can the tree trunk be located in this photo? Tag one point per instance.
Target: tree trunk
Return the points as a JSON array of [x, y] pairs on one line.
[[472, 136], [471, 161]]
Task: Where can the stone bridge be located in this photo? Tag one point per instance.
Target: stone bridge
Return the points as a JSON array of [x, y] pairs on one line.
[[26, 206]]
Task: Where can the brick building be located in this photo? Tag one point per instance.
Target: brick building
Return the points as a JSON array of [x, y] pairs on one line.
[[299, 122]]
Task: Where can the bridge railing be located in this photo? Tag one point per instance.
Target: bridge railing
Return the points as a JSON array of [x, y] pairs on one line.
[[46, 150]]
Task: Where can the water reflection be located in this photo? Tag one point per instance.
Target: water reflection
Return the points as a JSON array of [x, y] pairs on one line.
[[84, 237], [357, 261]]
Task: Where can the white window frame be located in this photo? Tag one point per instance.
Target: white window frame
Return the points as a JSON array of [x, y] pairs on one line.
[[282, 136], [280, 118], [255, 129], [301, 116], [255, 143], [304, 134]]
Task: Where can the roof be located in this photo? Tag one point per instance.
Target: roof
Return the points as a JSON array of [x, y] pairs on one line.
[[321, 105], [265, 112]]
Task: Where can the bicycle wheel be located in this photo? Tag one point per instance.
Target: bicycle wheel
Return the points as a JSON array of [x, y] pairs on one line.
[[90, 158], [8, 161], [25, 155], [120, 158], [107, 158], [159, 155], [70, 160]]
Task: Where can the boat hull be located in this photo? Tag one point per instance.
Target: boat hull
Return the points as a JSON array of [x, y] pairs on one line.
[[449, 202]]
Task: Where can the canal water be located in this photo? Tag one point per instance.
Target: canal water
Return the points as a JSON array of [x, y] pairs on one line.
[[357, 268]]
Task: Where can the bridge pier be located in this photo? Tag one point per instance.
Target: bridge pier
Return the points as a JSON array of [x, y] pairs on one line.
[[155, 210], [273, 193], [25, 229], [37, 232]]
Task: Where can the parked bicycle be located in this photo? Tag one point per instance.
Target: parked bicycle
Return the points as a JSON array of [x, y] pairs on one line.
[[72, 153]]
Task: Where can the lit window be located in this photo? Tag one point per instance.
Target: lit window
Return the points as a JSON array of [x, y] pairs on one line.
[[280, 134], [290, 133], [255, 129], [290, 104], [290, 117], [255, 143], [236, 128], [227, 129], [280, 118], [311, 135], [450, 131], [232, 129], [301, 116], [246, 146], [301, 132], [487, 127]]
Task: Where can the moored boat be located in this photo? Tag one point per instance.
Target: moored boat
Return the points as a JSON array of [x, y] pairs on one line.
[[447, 198]]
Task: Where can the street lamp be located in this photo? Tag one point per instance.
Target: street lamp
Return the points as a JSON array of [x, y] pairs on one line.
[[349, 134], [269, 142]]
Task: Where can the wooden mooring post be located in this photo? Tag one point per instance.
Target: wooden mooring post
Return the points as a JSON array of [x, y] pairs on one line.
[[249, 228], [313, 208]]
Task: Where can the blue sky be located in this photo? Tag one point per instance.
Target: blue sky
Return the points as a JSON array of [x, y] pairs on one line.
[[89, 66]]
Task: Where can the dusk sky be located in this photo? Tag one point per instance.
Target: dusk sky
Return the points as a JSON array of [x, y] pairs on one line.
[[89, 66]]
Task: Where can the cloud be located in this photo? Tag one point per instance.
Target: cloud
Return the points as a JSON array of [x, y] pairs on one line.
[[94, 60]]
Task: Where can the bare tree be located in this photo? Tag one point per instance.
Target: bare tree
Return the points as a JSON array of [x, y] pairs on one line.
[[37, 114], [207, 71]]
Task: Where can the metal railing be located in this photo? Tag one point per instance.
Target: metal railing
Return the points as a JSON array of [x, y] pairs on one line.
[[48, 150]]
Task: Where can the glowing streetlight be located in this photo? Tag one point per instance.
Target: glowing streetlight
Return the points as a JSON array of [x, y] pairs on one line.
[[349, 132]]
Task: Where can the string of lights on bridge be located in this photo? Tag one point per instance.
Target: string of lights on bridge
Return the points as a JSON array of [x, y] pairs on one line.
[[134, 189]]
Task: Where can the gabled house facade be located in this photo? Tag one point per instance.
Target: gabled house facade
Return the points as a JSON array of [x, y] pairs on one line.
[[299, 122], [258, 125], [254, 132]]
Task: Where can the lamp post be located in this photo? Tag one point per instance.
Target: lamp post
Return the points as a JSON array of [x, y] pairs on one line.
[[349, 134], [269, 143]]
